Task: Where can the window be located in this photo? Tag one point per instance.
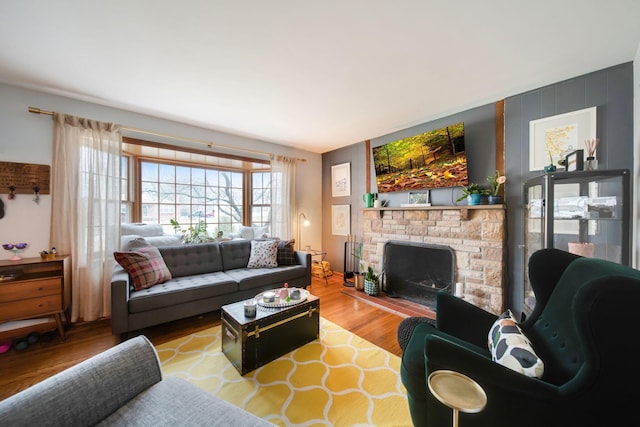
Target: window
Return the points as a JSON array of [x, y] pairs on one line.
[[163, 183], [260, 198], [125, 190], [191, 195]]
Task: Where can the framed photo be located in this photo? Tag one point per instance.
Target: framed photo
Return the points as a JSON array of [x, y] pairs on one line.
[[551, 137], [574, 160], [419, 198], [341, 180], [341, 220]]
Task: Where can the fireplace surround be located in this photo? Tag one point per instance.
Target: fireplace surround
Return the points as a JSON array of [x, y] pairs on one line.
[[417, 271], [475, 234]]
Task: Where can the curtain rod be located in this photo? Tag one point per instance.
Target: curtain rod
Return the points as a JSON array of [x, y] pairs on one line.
[[166, 135]]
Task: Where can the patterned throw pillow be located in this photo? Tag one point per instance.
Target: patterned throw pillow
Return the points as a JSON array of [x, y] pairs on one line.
[[263, 254], [512, 349], [145, 266], [286, 252]]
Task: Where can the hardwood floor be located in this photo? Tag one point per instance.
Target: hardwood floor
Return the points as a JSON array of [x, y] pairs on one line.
[[21, 369]]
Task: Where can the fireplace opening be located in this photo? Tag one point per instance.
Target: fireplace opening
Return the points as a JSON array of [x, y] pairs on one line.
[[417, 271]]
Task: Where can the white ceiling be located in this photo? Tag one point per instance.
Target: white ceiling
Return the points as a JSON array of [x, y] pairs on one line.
[[316, 75]]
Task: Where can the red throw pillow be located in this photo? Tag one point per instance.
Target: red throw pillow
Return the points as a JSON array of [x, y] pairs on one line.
[[145, 266]]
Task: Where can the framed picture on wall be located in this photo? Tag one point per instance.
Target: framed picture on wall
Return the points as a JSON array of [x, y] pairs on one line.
[[341, 180], [341, 220], [552, 137]]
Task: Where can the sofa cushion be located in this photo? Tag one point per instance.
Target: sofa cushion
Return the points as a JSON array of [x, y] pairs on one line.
[[187, 260], [264, 253], [512, 349], [145, 266], [256, 278], [235, 254], [286, 252], [182, 290]]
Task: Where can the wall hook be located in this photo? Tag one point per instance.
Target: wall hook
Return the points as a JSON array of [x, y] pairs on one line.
[[36, 192]]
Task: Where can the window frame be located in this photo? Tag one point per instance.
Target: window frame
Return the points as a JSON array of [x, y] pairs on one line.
[[135, 174]]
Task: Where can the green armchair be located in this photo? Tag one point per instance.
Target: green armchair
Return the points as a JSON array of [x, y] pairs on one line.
[[583, 327]]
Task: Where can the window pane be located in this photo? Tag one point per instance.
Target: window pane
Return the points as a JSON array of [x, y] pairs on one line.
[[167, 173], [124, 179], [150, 192], [149, 171], [183, 193], [212, 177], [183, 175], [167, 193], [197, 176], [149, 212], [197, 194], [237, 180]]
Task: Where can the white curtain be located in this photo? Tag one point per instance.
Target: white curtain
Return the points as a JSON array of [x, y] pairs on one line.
[[283, 194], [85, 218]]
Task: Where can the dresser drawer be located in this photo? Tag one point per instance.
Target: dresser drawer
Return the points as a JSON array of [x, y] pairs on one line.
[[30, 307], [30, 289]]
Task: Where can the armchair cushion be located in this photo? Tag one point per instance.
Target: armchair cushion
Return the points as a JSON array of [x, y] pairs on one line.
[[512, 349]]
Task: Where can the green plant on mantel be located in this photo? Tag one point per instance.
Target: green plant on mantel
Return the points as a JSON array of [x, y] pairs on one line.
[[472, 188]]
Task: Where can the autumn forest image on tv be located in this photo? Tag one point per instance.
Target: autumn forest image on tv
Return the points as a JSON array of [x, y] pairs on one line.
[[432, 159]]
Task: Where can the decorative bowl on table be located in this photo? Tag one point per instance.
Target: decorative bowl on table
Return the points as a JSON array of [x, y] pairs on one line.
[[273, 299]]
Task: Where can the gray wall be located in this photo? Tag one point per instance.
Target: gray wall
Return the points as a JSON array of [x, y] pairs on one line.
[[611, 91], [479, 128]]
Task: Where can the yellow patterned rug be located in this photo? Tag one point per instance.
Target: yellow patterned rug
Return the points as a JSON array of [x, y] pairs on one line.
[[338, 380]]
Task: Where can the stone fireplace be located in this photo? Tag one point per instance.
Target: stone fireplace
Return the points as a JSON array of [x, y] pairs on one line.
[[417, 271], [476, 234]]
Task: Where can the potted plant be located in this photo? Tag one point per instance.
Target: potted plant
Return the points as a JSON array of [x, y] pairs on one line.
[[371, 285], [472, 192], [494, 183], [195, 234], [359, 275]]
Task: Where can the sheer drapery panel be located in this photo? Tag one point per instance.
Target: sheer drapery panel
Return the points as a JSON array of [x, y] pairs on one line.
[[283, 178], [85, 219]]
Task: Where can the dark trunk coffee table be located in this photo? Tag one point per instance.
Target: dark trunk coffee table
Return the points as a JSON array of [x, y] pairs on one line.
[[250, 343]]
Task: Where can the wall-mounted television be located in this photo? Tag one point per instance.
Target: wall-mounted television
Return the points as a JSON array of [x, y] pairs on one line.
[[433, 159]]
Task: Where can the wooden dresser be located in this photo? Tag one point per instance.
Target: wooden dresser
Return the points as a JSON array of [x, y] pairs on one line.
[[34, 288]]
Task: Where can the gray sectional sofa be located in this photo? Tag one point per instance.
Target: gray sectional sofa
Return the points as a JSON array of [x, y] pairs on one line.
[[205, 277], [122, 386]]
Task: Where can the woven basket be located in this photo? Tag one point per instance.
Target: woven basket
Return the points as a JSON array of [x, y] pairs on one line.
[[371, 288]]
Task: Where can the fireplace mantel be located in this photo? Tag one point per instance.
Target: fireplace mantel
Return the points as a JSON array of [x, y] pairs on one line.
[[477, 235], [462, 208]]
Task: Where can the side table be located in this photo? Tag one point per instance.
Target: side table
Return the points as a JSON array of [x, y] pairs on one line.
[[458, 392]]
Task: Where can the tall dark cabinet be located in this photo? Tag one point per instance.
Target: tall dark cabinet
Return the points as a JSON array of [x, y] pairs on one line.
[[584, 212]]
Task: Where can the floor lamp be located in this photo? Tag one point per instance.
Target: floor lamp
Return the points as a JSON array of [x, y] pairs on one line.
[[302, 219]]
